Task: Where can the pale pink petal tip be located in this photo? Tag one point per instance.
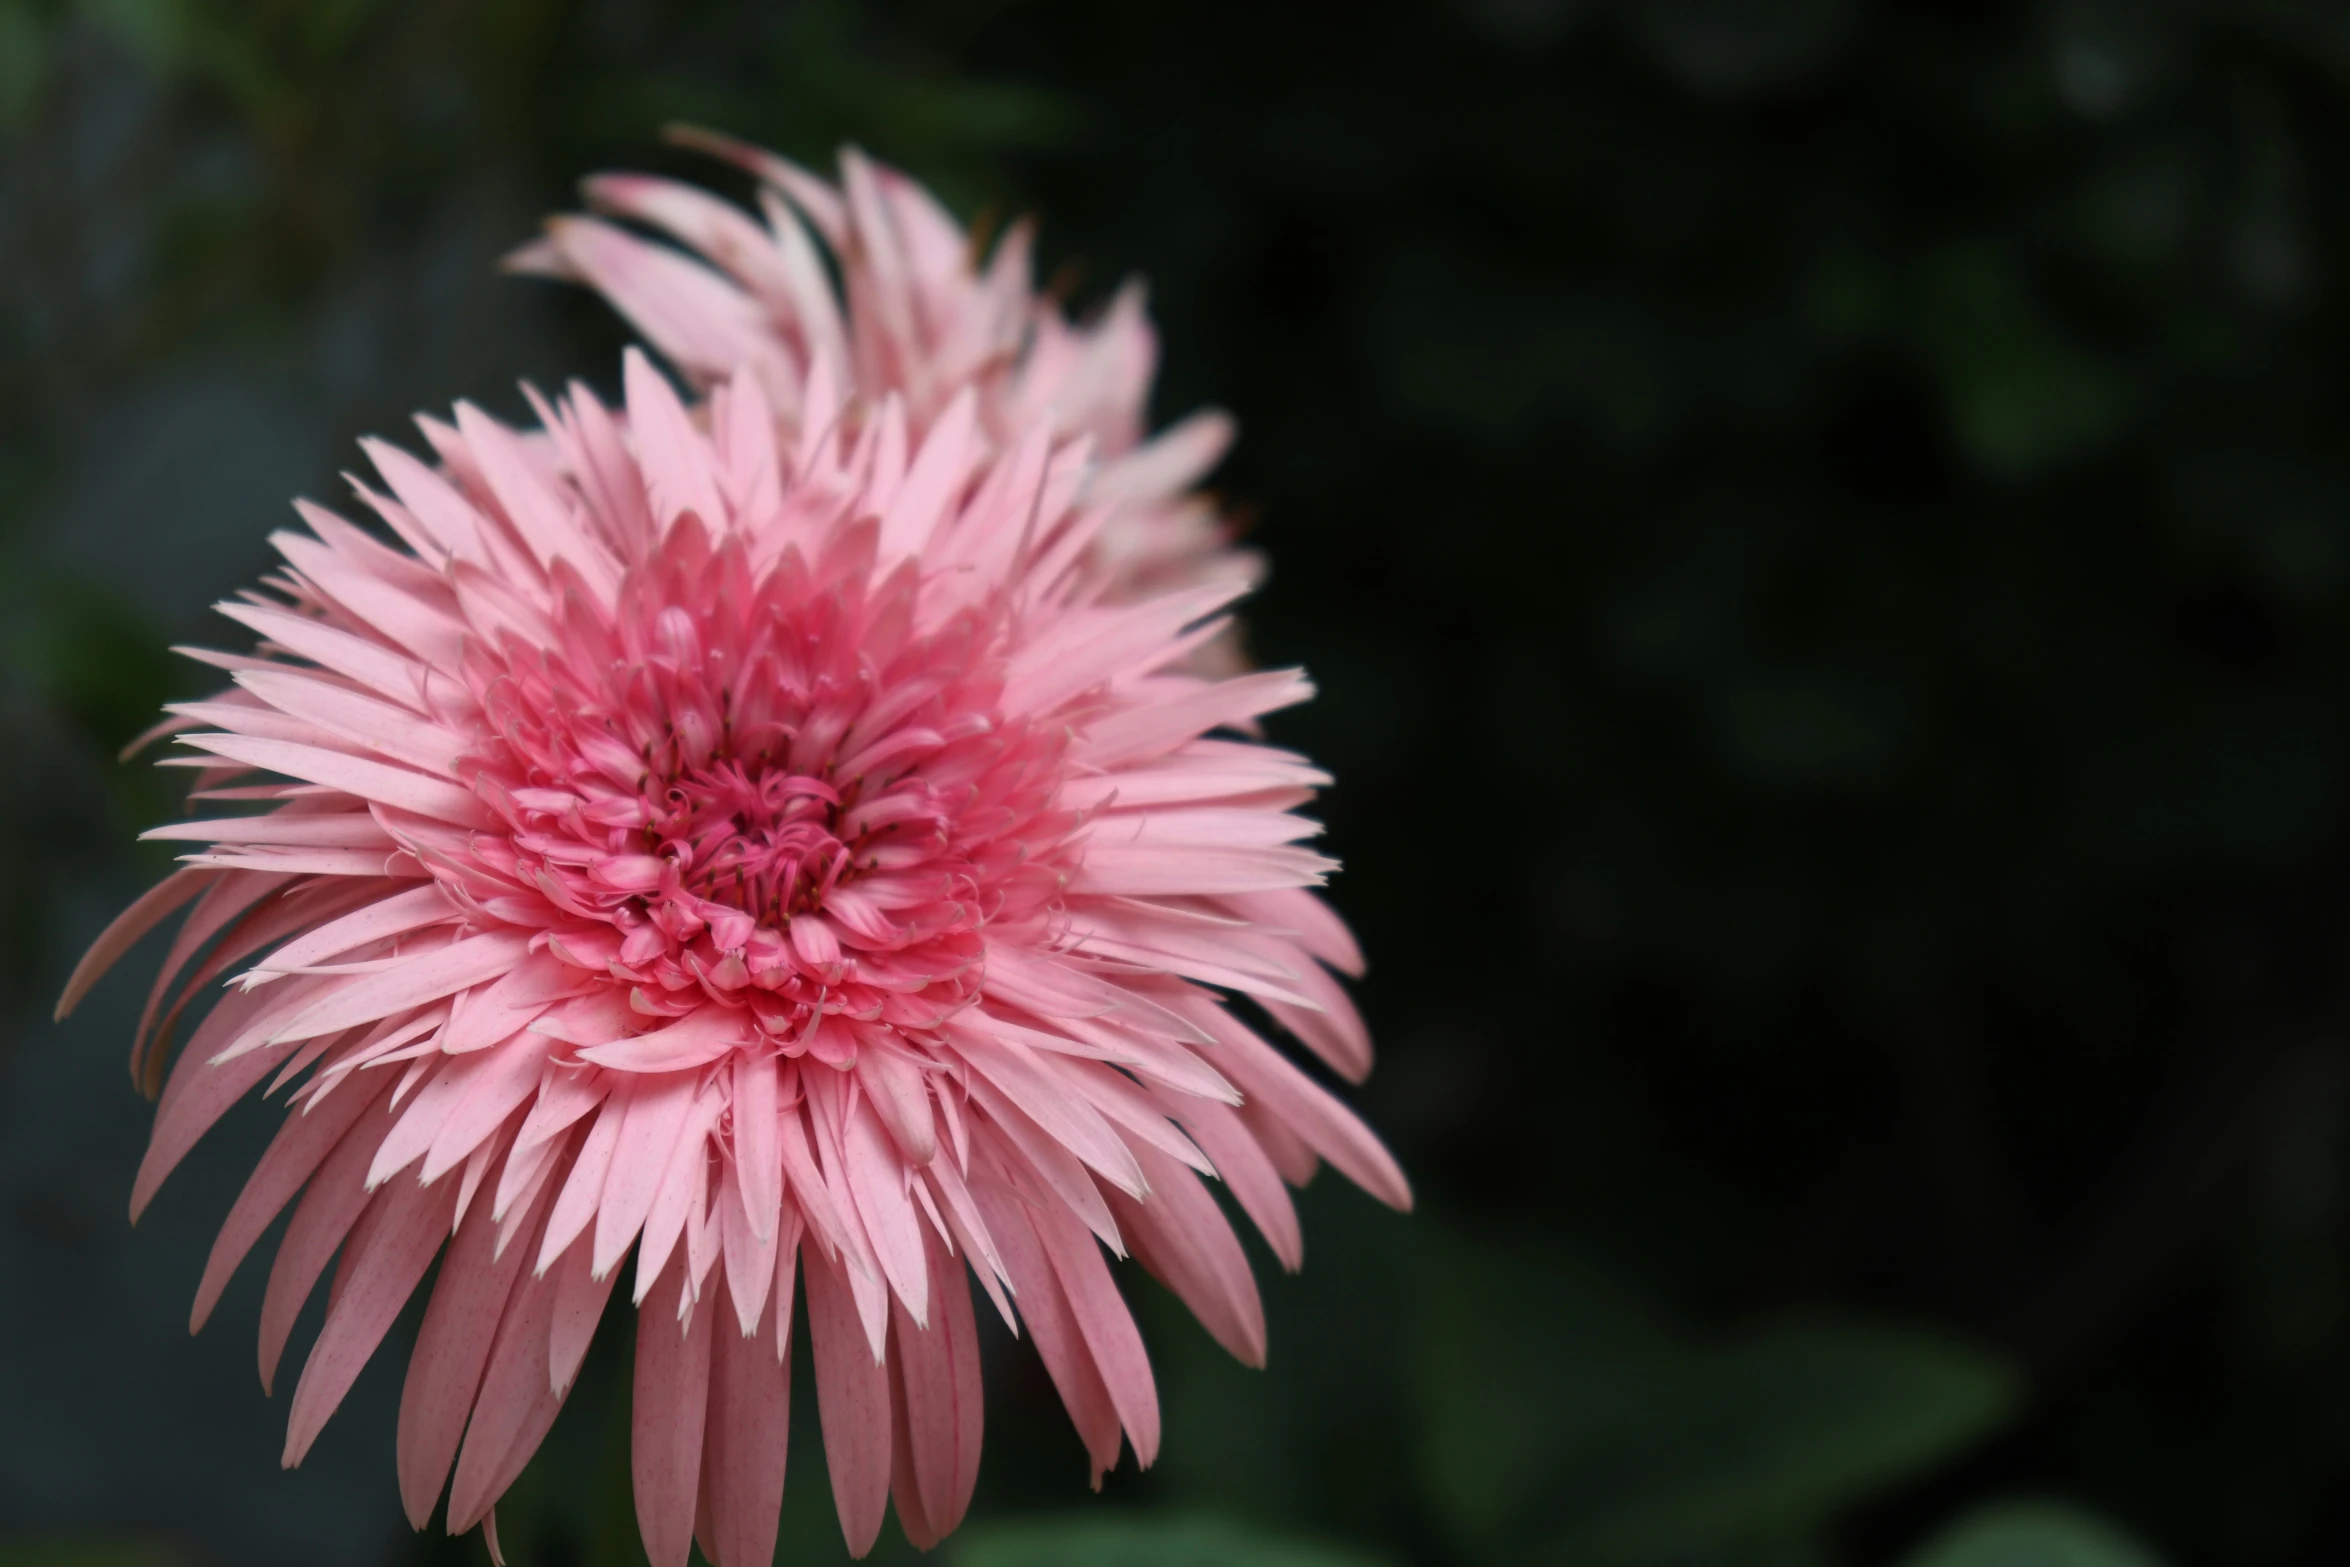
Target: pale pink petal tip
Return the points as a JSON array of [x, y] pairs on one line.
[[922, 315], [786, 837]]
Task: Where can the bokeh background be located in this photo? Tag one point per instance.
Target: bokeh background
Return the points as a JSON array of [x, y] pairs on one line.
[[1823, 528]]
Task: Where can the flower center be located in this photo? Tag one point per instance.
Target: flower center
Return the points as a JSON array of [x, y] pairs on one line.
[[765, 842], [742, 802]]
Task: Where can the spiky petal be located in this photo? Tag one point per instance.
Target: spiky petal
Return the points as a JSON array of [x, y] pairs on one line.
[[784, 861], [920, 315]]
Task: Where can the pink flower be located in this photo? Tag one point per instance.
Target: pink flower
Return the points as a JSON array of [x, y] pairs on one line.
[[920, 318], [781, 860]]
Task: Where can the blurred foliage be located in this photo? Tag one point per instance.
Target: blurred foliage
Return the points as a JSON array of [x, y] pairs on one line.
[[1823, 528], [2029, 1534], [1561, 1415], [1138, 1541]]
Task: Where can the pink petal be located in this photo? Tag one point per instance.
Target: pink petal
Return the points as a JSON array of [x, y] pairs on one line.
[[905, 1481], [1300, 1102], [452, 1350], [157, 904], [748, 1437], [390, 731], [1182, 1237], [495, 1012], [426, 977], [579, 1307], [200, 1093], [513, 1411], [894, 1085], [1107, 1325], [332, 1204], [696, 1039], [1014, 1069], [403, 911], [430, 500], [818, 200], [1172, 461], [1249, 1175], [372, 1287], [1152, 871], [852, 1405], [876, 1183], [1085, 652], [676, 459], [938, 1372], [698, 319], [444, 1088], [494, 1090], [749, 1268], [757, 1154], [1152, 729], [670, 1403], [376, 781], [939, 473], [1051, 1161], [678, 1197], [378, 586], [653, 1113], [583, 1189], [371, 664], [1052, 1327], [1332, 1029], [715, 229], [538, 515], [302, 1143], [1318, 928]]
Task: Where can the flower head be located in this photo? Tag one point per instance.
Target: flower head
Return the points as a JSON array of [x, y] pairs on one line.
[[917, 315], [777, 858]]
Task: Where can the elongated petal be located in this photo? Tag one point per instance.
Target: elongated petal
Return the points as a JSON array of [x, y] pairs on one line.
[[672, 1398], [452, 1351], [427, 977], [302, 1144], [332, 1204], [372, 1287], [939, 1394], [1052, 1326], [153, 907], [747, 1437], [852, 1402]]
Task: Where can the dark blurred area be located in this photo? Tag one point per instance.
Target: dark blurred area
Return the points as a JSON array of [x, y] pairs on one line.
[[1823, 531]]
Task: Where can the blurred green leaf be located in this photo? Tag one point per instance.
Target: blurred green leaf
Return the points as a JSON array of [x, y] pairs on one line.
[[24, 49], [1142, 1540], [2020, 393], [1775, 1435], [1560, 1410], [1528, 1360], [94, 658], [2031, 1534]]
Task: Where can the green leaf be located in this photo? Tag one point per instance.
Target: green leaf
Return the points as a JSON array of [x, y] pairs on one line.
[[1561, 1411], [1774, 1436], [2031, 1534], [1142, 1540], [1528, 1363]]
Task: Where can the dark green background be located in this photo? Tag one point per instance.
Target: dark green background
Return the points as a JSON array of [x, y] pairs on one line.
[[1823, 529]]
